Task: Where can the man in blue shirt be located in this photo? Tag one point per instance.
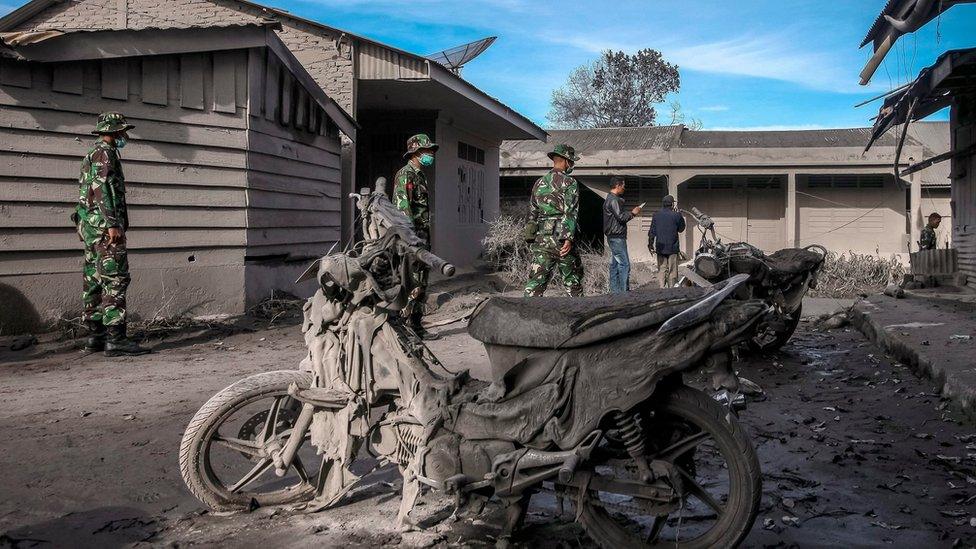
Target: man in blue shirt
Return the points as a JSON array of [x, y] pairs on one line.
[[662, 240]]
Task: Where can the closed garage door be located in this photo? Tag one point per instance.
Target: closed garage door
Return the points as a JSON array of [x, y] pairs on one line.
[[749, 209], [860, 213]]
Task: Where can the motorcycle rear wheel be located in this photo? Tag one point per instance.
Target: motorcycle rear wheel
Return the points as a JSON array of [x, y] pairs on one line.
[[736, 516], [770, 341], [243, 409]]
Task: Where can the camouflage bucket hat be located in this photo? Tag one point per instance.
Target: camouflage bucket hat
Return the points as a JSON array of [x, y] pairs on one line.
[[417, 142], [111, 122], [565, 151]]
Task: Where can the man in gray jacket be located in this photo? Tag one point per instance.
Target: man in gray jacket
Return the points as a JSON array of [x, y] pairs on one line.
[[662, 240], [615, 220]]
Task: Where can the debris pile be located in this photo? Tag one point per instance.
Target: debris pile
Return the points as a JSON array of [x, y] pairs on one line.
[[279, 306], [852, 274]]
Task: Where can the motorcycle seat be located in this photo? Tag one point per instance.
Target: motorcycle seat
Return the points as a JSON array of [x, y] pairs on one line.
[[793, 260], [566, 322]]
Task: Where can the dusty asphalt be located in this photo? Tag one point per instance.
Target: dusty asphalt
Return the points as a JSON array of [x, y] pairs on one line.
[[859, 450]]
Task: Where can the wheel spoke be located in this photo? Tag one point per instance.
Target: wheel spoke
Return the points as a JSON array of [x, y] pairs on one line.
[[247, 447], [682, 447], [251, 475], [272, 420], [695, 489]]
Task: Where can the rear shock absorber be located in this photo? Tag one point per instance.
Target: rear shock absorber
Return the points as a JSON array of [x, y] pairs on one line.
[[632, 434]]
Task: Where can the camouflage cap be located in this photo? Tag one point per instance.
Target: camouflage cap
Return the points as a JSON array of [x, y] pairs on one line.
[[417, 142], [565, 151], [111, 122]]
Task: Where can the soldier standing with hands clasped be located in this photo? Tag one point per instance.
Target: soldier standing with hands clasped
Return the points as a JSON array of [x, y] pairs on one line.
[[102, 218], [411, 196], [551, 228]]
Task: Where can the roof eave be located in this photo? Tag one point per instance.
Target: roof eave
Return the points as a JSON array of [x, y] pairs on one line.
[[457, 84], [25, 12]]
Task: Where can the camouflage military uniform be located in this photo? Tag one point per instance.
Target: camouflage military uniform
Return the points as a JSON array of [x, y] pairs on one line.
[[553, 207], [927, 240], [412, 197], [102, 206]]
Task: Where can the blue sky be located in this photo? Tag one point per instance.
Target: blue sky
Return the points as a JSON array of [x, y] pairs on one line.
[[744, 64]]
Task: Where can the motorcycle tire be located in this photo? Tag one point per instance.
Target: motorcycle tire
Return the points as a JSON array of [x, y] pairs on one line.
[[744, 473], [194, 463], [780, 339]]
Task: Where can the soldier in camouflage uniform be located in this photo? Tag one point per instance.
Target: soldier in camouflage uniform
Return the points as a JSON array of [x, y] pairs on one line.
[[411, 196], [927, 240], [102, 219], [553, 209]]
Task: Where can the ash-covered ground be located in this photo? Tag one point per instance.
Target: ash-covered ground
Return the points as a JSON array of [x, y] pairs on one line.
[[855, 451]]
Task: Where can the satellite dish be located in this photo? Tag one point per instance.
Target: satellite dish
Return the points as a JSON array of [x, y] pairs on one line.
[[454, 58]]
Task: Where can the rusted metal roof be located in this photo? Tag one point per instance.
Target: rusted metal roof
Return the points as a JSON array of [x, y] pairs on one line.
[[603, 139]]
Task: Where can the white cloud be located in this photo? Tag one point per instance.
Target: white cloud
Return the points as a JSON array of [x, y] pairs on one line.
[[774, 56]]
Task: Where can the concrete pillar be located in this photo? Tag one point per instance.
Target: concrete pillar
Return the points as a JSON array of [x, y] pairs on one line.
[[672, 187], [914, 211], [791, 212]]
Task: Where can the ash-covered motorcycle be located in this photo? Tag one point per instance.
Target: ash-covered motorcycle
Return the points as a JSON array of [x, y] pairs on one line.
[[586, 400], [782, 278]]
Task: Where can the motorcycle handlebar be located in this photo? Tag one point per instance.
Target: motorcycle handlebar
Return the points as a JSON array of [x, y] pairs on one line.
[[432, 260]]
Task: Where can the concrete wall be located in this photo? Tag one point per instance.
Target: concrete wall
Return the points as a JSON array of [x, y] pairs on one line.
[[186, 183], [457, 233]]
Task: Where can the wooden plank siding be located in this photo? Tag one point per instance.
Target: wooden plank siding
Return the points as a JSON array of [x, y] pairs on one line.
[[185, 181], [293, 170], [214, 177], [963, 174]]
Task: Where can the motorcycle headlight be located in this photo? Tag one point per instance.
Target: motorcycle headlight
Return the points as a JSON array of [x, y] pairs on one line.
[[708, 266]]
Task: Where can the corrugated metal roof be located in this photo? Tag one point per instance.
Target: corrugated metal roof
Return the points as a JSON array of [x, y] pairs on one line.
[[891, 7], [603, 139], [668, 137], [846, 137]]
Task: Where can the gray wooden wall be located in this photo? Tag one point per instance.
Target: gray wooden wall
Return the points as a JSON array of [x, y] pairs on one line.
[[963, 129], [293, 195], [195, 165]]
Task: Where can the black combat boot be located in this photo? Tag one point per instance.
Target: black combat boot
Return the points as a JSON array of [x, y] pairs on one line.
[[96, 337], [118, 345]]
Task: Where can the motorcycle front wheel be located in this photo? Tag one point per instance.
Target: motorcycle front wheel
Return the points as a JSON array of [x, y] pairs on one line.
[[224, 455], [720, 481]]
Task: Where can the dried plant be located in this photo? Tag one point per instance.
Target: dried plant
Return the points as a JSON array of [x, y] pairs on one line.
[[506, 249], [851, 274]]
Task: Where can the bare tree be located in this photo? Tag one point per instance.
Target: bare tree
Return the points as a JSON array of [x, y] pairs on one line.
[[617, 90], [678, 117]]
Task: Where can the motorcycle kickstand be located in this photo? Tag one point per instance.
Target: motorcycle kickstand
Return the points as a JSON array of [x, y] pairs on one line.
[[514, 517]]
